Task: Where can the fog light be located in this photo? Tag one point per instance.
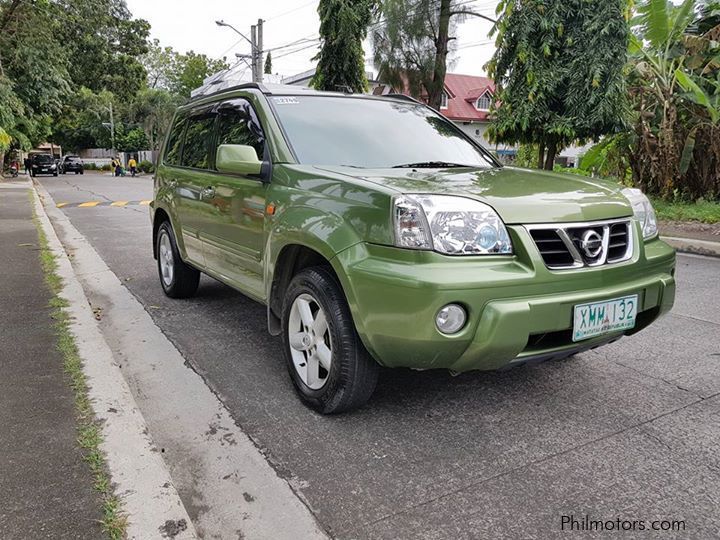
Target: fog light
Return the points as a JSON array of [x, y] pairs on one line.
[[450, 319]]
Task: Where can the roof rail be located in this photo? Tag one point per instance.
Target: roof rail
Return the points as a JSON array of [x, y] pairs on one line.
[[404, 97], [209, 91]]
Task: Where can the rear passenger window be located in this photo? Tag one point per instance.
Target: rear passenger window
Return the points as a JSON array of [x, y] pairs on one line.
[[172, 152], [239, 125], [198, 141]]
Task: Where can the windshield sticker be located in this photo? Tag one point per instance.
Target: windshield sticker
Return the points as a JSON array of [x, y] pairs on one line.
[[285, 100]]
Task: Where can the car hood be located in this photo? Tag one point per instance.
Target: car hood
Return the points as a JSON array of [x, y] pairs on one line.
[[517, 195]]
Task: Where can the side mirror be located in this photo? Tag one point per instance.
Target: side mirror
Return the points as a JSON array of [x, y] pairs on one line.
[[237, 159]]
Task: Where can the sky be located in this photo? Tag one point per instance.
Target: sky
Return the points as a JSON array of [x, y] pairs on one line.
[[190, 25]]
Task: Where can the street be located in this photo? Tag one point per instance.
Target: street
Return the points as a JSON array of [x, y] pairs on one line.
[[629, 431]]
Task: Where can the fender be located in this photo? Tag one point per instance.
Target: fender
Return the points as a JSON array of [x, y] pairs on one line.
[[169, 209], [325, 233]]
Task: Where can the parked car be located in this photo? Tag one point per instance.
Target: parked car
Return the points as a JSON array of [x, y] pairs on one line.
[[43, 164], [378, 234], [72, 164]]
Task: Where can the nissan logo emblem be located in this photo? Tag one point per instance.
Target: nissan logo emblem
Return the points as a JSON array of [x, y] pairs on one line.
[[591, 243]]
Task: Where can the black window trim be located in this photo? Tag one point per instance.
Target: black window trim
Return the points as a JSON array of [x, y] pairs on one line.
[[267, 154], [214, 108], [178, 117], [199, 111]]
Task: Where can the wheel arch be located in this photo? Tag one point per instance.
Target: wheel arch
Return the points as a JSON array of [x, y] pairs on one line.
[[291, 259], [160, 216]]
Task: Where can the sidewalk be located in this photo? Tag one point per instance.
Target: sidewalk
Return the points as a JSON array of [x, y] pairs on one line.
[[46, 489]]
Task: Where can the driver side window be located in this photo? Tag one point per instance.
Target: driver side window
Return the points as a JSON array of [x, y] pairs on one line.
[[238, 124]]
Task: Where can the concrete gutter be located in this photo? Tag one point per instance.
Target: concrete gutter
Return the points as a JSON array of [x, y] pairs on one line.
[[693, 245], [229, 488], [138, 472]]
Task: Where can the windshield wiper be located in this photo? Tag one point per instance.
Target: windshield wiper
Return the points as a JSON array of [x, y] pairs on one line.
[[430, 165]]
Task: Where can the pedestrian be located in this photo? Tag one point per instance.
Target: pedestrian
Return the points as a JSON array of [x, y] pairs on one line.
[[118, 166], [26, 162], [132, 164]]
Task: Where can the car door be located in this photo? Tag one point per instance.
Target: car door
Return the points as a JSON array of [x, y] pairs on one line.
[[234, 237], [194, 183]]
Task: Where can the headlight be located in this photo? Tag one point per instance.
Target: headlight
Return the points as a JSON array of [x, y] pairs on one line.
[[53, 166], [643, 210], [449, 225]]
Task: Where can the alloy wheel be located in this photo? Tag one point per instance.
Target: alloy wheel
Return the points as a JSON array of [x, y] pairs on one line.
[[310, 343]]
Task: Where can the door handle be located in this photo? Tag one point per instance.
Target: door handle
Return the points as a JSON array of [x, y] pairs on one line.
[[207, 193]]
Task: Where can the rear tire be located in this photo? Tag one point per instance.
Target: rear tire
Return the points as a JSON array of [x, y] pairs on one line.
[[328, 364], [178, 280]]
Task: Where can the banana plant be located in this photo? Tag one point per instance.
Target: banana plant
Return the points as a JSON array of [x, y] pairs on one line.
[[674, 65]]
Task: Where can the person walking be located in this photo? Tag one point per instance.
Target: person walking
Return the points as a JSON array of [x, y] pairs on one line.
[[132, 165], [26, 162], [118, 166]]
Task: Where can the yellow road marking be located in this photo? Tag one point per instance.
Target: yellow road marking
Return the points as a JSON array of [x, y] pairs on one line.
[[145, 203], [88, 204], [119, 203], [60, 205]]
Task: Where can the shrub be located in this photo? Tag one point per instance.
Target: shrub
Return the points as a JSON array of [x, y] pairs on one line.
[[146, 166]]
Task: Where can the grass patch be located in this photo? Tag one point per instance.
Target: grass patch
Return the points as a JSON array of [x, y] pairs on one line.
[[702, 211], [114, 521]]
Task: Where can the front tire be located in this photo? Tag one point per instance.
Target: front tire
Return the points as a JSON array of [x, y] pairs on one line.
[[178, 280], [328, 364]]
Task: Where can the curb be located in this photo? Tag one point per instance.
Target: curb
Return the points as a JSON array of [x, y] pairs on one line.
[[140, 477], [224, 476], [692, 245]]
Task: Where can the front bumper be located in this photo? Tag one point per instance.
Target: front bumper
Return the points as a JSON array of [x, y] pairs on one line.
[[518, 310]]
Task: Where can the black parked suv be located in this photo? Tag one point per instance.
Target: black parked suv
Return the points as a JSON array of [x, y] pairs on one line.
[[72, 164], [43, 164]]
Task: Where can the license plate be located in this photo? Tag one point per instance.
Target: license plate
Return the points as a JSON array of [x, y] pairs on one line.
[[600, 318]]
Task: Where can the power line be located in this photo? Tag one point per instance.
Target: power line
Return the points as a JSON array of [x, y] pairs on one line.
[[295, 51], [293, 10]]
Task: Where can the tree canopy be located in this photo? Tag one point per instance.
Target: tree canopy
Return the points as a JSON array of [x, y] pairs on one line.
[[65, 63], [559, 71], [411, 43], [341, 60]]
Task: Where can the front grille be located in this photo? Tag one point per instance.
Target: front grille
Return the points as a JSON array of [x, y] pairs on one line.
[[578, 245]]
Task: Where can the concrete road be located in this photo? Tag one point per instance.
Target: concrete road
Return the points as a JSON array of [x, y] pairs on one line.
[[629, 431]]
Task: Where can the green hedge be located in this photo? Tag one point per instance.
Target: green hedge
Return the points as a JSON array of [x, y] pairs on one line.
[[146, 166]]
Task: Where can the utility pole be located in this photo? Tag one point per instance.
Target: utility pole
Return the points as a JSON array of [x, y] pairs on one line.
[[259, 50], [256, 47], [253, 52], [111, 126]]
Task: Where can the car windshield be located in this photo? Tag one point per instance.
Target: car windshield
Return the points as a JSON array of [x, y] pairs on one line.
[[72, 158], [373, 133], [43, 158]]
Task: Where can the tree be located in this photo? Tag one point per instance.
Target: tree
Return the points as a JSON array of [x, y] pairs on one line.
[[159, 63], [559, 72], [190, 70], [341, 60], [153, 109], [675, 88], [268, 63], [412, 41], [50, 50]]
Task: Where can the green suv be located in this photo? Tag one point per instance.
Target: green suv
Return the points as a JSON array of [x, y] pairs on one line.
[[378, 234]]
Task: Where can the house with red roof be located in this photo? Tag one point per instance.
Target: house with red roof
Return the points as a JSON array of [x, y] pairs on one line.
[[466, 101]]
